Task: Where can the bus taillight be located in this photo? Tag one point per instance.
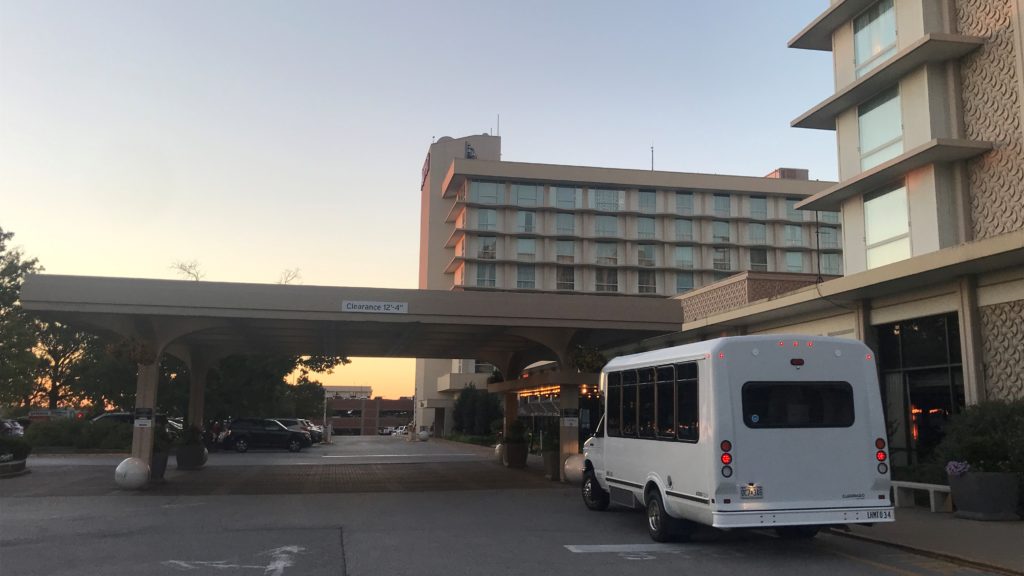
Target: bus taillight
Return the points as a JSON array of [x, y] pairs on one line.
[[726, 446], [880, 443], [726, 458]]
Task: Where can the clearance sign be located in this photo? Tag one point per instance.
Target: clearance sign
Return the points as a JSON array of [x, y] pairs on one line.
[[375, 307]]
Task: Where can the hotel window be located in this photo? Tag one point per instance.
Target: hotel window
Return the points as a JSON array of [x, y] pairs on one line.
[[828, 237], [759, 207], [684, 229], [485, 275], [526, 221], [794, 261], [526, 249], [565, 251], [567, 198], [525, 194], [874, 36], [830, 264], [721, 259], [791, 211], [488, 247], [684, 203], [565, 223], [607, 253], [486, 219], [607, 200], [648, 201], [684, 281], [723, 205], [757, 233], [719, 276], [887, 227], [525, 274], [606, 225], [881, 129], [794, 236], [645, 255], [566, 278], [484, 192], [759, 260], [719, 231], [647, 282], [684, 257], [645, 228], [828, 217], [607, 279]]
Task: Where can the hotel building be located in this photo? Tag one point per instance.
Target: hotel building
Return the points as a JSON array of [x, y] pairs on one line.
[[487, 224]]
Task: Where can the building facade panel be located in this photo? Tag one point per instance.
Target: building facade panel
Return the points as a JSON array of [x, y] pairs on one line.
[[1002, 334], [992, 112]]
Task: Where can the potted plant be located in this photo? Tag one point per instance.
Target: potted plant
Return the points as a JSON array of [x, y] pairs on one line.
[[549, 449], [162, 442], [984, 454], [191, 453], [515, 445], [13, 456]]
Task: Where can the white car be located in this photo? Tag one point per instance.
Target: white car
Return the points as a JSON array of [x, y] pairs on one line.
[[400, 431]]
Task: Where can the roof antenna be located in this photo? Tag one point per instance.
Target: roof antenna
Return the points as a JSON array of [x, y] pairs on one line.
[[652, 157], [499, 125]]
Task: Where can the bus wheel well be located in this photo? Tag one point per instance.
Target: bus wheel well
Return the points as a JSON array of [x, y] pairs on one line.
[[651, 487], [588, 466]]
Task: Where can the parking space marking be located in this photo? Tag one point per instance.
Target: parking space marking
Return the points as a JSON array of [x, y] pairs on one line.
[[280, 558], [622, 548], [393, 455]]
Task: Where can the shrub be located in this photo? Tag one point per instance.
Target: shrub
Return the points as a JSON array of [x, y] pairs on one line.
[[19, 447], [79, 434]]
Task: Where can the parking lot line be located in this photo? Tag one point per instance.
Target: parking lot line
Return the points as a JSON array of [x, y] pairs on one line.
[[393, 455], [620, 548]]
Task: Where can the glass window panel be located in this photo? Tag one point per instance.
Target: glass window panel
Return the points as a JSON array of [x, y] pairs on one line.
[[645, 409], [525, 276], [645, 228], [684, 281], [485, 275], [606, 225], [647, 282], [880, 123], [889, 252], [525, 221], [687, 403], [924, 342], [684, 229], [526, 248], [566, 278], [484, 192], [874, 36], [487, 219], [629, 403], [758, 207], [567, 198], [488, 247], [721, 259], [757, 233], [719, 231], [794, 261], [645, 255], [565, 223], [666, 392], [794, 236], [648, 201], [613, 414], [607, 279], [828, 237], [797, 404], [759, 260], [885, 216], [607, 253], [565, 251], [831, 264], [722, 205], [525, 194], [684, 203], [608, 200], [684, 257]]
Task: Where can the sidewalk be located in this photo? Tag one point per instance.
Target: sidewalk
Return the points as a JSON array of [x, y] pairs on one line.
[[984, 545]]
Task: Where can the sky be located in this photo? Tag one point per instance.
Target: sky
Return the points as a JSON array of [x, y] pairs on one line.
[[254, 137]]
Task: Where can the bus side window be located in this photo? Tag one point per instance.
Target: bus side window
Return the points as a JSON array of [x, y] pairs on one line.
[[612, 418], [687, 405], [666, 399], [645, 408], [629, 403]]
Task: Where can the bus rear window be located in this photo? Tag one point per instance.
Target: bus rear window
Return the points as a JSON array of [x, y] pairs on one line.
[[797, 404]]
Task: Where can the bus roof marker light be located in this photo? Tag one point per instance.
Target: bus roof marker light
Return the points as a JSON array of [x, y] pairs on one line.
[[796, 343], [721, 355], [868, 357], [810, 344]]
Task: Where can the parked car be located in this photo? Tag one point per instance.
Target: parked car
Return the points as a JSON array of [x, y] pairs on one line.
[[316, 431], [400, 431], [11, 428], [302, 425], [245, 433]]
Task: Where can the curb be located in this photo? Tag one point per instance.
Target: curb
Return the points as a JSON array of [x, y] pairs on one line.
[[930, 553]]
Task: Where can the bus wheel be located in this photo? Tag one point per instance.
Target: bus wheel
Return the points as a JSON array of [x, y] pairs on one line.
[[659, 523], [593, 496], [797, 532]]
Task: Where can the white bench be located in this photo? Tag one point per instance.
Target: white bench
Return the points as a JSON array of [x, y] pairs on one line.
[[938, 495]]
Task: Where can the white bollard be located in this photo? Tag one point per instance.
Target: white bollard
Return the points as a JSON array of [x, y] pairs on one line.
[[131, 474], [573, 468]]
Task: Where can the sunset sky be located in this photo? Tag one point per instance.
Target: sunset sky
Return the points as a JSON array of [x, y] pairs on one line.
[[256, 136]]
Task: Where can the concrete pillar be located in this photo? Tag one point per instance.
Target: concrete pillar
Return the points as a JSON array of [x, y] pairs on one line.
[[569, 424], [970, 341], [198, 368], [145, 397], [511, 409]]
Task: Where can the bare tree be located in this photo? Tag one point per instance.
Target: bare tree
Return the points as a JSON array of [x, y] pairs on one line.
[[290, 276], [189, 270]]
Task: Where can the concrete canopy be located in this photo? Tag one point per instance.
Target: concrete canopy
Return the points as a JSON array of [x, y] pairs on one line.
[[220, 318]]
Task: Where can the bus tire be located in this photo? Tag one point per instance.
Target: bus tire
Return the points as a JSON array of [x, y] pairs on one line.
[[659, 524], [797, 532], [593, 496]]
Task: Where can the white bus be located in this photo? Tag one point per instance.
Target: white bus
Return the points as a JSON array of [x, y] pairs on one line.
[[778, 431]]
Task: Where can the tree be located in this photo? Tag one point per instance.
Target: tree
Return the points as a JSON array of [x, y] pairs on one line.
[[62, 356], [290, 276], [474, 411], [17, 328], [189, 270]]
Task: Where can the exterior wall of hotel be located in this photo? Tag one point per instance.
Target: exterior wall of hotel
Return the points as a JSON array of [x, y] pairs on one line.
[[365, 416]]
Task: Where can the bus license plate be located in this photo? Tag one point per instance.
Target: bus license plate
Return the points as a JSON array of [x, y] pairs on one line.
[[752, 491], [880, 515]]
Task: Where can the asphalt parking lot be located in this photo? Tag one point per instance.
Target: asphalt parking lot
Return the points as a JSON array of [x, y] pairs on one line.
[[372, 506]]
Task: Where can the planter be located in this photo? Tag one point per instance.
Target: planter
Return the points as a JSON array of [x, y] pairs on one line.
[[13, 468], [985, 495], [191, 456], [552, 465], [158, 465], [515, 455]]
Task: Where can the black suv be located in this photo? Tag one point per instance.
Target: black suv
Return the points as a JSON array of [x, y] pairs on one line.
[[245, 433]]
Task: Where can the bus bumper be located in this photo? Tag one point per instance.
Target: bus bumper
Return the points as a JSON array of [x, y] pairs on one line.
[[816, 516]]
